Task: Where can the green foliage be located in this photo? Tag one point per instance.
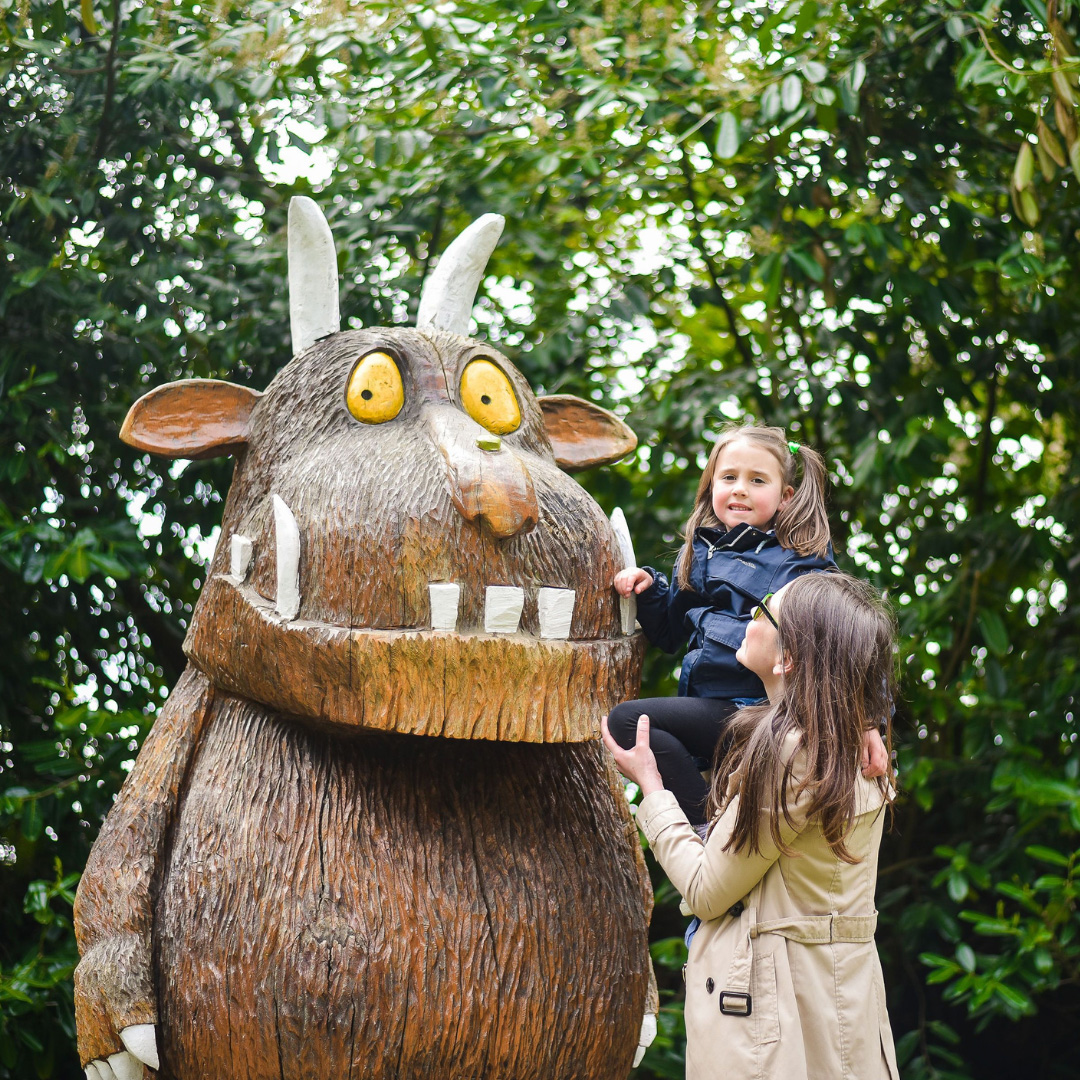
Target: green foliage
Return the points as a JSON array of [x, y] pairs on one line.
[[806, 212]]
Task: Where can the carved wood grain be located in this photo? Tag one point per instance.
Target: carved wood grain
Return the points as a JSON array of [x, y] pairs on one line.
[[114, 985], [422, 683], [191, 418], [583, 434], [397, 853], [391, 906]]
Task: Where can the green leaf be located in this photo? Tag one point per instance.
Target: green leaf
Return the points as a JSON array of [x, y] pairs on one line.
[[299, 143], [849, 96], [382, 149], [86, 13], [957, 887], [669, 952], [32, 821], [262, 84], [727, 139], [1048, 855], [807, 263], [791, 92], [993, 631], [1016, 998], [770, 103]]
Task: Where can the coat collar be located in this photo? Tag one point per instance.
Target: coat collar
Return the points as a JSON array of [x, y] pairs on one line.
[[744, 537]]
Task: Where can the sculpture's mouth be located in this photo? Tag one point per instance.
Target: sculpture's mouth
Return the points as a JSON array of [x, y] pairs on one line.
[[492, 683], [503, 604]]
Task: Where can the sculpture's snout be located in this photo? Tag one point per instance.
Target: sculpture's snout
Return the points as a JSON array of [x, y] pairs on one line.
[[487, 482]]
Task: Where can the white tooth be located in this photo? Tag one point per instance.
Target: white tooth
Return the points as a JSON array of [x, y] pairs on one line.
[[556, 608], [627, 604], [287, 544], [239, 556], [502, 608], [444, 604]]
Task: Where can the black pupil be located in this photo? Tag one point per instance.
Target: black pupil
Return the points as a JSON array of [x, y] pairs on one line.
[[365, 394], [485, 399]]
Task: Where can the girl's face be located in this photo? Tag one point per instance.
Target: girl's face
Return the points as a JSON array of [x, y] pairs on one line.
[[760, 650], [747, 485]]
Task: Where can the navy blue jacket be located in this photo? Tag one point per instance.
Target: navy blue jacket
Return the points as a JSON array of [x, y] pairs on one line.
[[733, 570]]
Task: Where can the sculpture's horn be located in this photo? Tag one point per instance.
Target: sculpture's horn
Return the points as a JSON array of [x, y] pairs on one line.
[[313, 277], [447, 300]]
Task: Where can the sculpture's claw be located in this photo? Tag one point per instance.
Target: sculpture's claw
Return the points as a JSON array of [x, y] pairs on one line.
[[141, 1043], [648, 1033], [125, 1066]]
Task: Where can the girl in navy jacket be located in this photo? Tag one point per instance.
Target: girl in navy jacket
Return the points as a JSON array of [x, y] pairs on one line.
[[756, 525]]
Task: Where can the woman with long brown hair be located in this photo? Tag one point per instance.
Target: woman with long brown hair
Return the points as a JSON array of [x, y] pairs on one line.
[[783, 979]]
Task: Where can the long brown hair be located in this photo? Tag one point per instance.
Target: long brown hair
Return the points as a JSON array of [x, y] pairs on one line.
[[837, 637], [802, 525]]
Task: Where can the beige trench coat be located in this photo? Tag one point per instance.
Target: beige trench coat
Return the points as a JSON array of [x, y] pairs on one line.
[[786, 947]]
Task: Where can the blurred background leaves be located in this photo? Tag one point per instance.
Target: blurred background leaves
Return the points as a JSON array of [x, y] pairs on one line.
[[859, 221]]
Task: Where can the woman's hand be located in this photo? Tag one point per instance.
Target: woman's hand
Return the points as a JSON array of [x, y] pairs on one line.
[[632, 580], [875, 759], [638, 764]]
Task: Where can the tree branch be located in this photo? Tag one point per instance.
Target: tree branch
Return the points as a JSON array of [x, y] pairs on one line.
[[110, 83], [710, 267]]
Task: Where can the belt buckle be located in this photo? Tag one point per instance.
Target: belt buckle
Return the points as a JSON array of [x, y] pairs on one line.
[[743, 1006]]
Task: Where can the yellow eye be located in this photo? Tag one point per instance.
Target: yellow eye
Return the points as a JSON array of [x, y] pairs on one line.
[[489, 398], [375, 393]]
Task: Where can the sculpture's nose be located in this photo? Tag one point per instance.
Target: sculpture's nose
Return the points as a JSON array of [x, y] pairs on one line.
[[486, 481]]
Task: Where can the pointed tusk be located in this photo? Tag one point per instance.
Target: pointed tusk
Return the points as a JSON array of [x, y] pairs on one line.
[[287, 552], [447, 300], [313, 276], [627, 604], [622, 535]]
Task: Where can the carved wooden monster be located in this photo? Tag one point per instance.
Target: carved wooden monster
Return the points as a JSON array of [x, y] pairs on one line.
[[372, 833]]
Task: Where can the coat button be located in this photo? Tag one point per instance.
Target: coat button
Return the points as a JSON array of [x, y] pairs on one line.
[[710, 986], [736, 909]]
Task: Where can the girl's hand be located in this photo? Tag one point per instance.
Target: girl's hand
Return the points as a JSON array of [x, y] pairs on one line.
[[638, 764], [632, 580], [875, 761]]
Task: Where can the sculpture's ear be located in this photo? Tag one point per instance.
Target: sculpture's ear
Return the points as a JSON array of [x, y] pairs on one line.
[[192, 418], [582, 434]]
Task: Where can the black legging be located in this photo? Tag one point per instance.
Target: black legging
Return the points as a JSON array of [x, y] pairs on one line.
[[682, 732]]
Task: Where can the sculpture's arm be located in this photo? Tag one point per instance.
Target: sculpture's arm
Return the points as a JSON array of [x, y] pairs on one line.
[[652, 997], [114, 982]]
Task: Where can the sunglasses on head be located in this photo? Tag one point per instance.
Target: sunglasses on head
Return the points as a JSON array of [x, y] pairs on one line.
[[763, 609]]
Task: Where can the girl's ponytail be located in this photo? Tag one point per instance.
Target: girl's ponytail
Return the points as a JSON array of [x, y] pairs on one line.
[[804, 524]]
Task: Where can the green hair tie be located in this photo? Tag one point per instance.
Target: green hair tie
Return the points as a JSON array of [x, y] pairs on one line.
[[793, 447]]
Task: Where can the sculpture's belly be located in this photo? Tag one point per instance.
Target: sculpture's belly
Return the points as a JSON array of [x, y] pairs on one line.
[[396, 906]]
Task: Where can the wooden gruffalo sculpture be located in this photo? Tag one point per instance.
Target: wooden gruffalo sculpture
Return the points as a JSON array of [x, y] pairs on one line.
[[372, 833]]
